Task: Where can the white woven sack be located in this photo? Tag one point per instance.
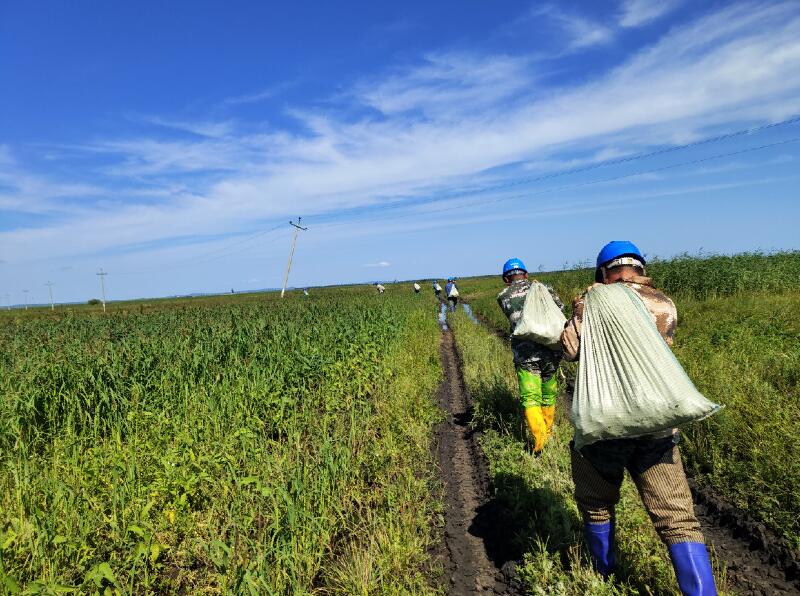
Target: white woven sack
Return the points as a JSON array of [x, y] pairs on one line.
[[541, 321], [629, 382], [453, 293]]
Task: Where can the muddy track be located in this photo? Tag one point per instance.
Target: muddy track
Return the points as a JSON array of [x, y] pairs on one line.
[[469, 532], [758, 561]]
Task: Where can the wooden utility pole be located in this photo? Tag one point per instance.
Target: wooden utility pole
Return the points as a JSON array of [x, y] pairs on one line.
[[102, 275], [297, 228]]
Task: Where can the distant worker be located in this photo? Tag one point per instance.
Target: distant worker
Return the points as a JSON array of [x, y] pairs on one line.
[[536, 364], [380, 288], [451, 290], [437, 289], [417, 288], [305, 292], [653, 461]]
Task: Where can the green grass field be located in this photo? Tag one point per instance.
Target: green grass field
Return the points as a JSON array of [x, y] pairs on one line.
[[739, 340], [219, 445], [247, 444]]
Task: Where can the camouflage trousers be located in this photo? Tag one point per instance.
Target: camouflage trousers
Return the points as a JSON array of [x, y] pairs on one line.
[[655, 467], [537, 359]]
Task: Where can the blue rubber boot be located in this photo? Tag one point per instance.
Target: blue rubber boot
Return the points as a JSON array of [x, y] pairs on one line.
[[600, 540], [693, 569]]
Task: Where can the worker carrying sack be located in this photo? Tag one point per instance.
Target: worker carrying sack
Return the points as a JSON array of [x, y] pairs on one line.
[[629, 382], [541, 321], [453, 292]]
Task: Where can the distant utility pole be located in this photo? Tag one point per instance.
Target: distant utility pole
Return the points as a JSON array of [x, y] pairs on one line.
[[297, 228], [25, 293], [50, 285], [102, 275]]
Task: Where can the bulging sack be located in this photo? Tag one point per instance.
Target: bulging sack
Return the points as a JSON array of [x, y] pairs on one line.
[[541, 321], [629, 382]]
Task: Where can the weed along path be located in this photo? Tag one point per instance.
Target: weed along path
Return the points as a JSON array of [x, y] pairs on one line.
[[468, 530], [755, 560]]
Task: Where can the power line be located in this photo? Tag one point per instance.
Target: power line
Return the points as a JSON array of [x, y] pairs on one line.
[[568, 186], [202, 258], [603, 164]]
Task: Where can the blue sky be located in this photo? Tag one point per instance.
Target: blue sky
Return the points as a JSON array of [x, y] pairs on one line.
[[170, 143]]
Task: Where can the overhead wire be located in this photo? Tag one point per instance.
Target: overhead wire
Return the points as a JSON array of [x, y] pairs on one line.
[[225, 251], [574, 186], [598, 165], [214, 254]]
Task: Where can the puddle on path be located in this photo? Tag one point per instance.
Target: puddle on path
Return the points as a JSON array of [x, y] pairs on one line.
[[470, 314], [443, 316]]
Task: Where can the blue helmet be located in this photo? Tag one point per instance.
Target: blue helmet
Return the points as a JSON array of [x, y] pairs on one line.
[[514, 265], [616, 249]]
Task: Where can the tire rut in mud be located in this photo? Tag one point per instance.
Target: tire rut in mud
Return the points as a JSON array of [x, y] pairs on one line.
[[758, 562], [469, 532]]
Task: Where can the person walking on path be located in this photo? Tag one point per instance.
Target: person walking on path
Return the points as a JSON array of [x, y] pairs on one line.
[[536, 364], [451, 290], [417, 288], [437, 290], [653, 461]]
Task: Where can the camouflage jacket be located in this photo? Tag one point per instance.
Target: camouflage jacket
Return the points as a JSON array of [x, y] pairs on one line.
[[660, 306], [527, 354]]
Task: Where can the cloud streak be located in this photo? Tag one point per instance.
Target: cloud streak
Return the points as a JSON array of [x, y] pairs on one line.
[[636, 13], [447, 121]]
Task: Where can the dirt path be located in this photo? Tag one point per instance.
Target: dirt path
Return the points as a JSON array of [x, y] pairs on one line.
[[467, 565], [757, 561]]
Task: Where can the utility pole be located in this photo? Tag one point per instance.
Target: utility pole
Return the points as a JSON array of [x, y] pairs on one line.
[[50, 285], [25, 292], [102, 275], [297, 228]]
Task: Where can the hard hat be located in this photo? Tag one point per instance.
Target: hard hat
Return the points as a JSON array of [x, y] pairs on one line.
[[514, 265], [616, 249]]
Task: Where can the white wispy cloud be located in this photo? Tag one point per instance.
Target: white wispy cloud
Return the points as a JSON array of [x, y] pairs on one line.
[[635, 13], [439, 124], [212, 129], [582, 32], [378, 264], [446, 85], [260, 95]]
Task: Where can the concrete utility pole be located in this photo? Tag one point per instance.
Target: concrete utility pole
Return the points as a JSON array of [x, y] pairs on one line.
[[50, 285], [297, 228], [25, 293], [102, 275]]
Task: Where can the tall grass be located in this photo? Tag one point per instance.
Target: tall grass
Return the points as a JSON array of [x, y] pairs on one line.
[[223, 446], [738, 338]]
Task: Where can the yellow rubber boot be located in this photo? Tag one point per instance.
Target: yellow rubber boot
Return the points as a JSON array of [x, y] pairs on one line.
[[549, 416], [537, 426]]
